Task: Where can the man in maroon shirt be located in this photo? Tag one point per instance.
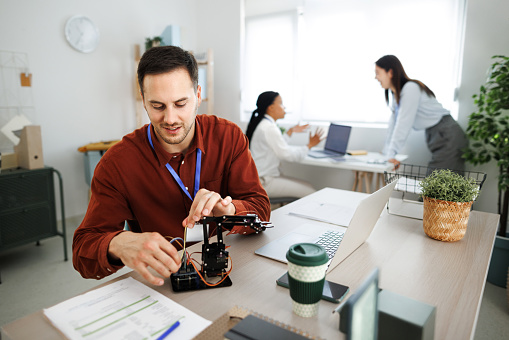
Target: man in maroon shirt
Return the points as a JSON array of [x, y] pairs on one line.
[[165, 176]]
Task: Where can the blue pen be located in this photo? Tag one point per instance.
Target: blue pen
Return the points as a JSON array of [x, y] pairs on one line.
[[169, 330]]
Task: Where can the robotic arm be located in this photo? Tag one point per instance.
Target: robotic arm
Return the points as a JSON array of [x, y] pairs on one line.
[[214, 255]]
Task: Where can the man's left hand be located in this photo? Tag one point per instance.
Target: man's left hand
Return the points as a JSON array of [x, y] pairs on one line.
[[208, 203]]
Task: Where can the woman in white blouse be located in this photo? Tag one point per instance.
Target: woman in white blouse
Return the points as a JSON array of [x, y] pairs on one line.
[[414, 106], [269, 146]]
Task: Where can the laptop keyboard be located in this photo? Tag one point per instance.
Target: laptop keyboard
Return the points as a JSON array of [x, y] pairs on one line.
[[330, 240]]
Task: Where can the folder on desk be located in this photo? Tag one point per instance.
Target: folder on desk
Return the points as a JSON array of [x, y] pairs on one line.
[[228, 326], [252, 327], [357, 152]]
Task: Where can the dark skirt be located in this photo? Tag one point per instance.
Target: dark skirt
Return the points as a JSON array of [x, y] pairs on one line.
[[446, 140]]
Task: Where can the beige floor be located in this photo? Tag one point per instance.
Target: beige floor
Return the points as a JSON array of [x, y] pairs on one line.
[[35, 277]]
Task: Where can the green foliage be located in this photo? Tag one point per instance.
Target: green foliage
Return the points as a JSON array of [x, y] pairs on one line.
[[488, 128], [152, 42], [449, 186]]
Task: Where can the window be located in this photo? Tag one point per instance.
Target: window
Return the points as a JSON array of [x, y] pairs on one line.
[[270, 58], [321, 56]]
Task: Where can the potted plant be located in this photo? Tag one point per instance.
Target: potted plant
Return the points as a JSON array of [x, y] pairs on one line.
[[447, 198], [153, 42], [488, 131]]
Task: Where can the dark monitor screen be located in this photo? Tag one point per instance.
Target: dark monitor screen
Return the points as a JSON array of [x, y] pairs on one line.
[[359, 315], [337, 138]]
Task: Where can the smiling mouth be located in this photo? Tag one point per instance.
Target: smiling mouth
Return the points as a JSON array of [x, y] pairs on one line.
[[172, 130]]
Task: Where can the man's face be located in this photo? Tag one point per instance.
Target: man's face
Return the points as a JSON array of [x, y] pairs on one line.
[[171, 105]]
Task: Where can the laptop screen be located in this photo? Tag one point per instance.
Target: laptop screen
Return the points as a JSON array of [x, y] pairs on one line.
[[337, 138]]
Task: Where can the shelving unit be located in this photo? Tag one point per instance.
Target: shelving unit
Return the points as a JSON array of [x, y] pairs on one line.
[[28, 208], [207, 65]]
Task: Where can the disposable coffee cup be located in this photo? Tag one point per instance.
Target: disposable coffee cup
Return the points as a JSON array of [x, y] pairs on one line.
[[307, 263]]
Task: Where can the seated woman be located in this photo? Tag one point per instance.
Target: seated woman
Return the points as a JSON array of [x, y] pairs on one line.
[[268, 147]]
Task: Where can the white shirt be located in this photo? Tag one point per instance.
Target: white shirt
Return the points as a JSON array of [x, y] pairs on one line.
[[269, 147], [416, 110]]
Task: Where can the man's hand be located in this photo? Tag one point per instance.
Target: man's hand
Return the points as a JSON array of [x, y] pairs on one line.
[[140, 251], [208, 203]]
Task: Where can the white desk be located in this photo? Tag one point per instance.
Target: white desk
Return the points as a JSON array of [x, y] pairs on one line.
[[450, 276], [356, 163], [364, 166]]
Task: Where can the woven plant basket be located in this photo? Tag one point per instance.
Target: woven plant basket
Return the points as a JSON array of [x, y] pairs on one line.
[[444, 220]]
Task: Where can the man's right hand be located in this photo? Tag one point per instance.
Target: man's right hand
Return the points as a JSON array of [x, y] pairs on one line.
[[140, 251]]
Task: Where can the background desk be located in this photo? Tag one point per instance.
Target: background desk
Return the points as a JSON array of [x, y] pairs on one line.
[[364, 167], [450, 276]]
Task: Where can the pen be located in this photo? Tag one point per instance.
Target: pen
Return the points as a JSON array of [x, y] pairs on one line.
[[339, 308], [169, 330]]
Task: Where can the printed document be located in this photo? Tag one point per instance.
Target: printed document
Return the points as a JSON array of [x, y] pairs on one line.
[[126, 309]]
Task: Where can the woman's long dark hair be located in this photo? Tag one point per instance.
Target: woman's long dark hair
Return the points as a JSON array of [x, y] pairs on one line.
[[399, 76], [264, 101]]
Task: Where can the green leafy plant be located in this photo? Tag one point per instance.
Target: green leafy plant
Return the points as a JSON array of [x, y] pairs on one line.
[[488, 131], [449, 186], [153, 42]]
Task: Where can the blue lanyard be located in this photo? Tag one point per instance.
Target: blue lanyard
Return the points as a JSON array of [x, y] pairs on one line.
[[176, 176]]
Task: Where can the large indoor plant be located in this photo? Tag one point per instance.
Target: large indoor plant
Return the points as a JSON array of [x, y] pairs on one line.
[[488, 131], [448, 198]]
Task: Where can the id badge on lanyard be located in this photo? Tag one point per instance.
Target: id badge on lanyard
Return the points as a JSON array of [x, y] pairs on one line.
[[176, 176]]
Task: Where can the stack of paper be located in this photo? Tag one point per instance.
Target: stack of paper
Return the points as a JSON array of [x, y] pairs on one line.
[[326, 212], [126, 309]]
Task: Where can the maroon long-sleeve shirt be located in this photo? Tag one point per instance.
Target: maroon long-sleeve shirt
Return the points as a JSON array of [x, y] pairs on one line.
[[131, 183]]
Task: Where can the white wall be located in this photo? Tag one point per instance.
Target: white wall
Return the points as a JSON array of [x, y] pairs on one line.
[[83, 98], [219, 25]]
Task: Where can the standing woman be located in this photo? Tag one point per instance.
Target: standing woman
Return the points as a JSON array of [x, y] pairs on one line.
[[268, 147], [414, 106]]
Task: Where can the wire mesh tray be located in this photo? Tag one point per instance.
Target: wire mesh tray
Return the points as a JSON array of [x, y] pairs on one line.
[[405, 200]]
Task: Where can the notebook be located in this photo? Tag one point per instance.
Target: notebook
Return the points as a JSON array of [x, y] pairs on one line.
[[335, 144], [238, 314], [252, 327], [360, 227]]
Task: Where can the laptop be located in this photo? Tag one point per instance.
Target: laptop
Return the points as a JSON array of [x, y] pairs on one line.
[[360, 227], [335, 144]]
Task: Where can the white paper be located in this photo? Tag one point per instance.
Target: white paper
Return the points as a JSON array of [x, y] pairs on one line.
[[126, 309], [407, 184], [195, 234], [16, 123], [326, 212]]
